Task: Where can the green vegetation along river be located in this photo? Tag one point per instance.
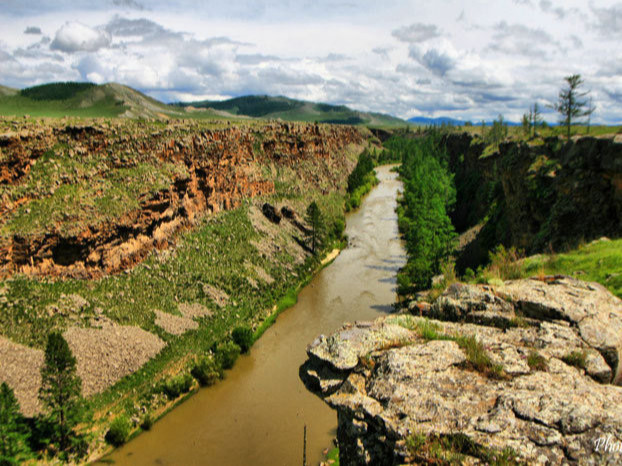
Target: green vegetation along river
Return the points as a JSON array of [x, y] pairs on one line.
[[257, 414]]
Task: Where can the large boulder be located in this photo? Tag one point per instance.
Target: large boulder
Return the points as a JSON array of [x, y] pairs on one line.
[[412, 390]]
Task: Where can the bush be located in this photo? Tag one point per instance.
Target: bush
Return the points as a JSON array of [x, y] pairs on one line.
[[147, 423], [119, 431], [243, 337], [504, 263], [339, 227], [177, 385], [206, 372], [226, 354]]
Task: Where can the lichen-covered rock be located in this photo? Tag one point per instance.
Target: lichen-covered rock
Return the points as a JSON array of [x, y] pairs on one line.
[[538, 408]]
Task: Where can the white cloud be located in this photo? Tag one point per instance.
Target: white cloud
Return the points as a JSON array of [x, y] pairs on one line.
[[77, 37], [469, 60]]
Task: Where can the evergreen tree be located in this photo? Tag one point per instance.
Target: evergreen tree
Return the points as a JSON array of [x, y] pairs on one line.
[[536, 118], [315, 221], [13, 434], [571, 103], [60, 390], [526, 123]]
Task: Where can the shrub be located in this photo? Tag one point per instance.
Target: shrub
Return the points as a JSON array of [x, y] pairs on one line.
[[226, 354], [147, 423], [119, 431], [206, 372], [504, 263], [243, 337], [339, 226], [177, 385]]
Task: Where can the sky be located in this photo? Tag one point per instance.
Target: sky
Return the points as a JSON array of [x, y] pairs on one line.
[[470, 60]]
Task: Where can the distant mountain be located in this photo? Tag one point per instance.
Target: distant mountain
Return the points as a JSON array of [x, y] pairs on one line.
[[83, 99], [423, 121], [263, 106], [435, 121]]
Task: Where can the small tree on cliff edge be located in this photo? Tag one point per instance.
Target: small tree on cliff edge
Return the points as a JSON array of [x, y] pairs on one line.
[[571, 103], [60, 390], [315, 221]]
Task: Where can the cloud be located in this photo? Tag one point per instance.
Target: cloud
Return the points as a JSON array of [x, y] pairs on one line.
[[517, 39], [561, 13], [417, 32], [77, 37], [438, 59], [128, 4], [123, 27], [608, 21], [33, 30]]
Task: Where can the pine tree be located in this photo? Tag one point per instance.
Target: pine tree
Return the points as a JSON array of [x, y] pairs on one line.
[[60, 390], [571, 104], [315, 221], [13, 434]]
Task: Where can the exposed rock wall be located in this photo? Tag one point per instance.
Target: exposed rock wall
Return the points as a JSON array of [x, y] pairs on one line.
[[536, 196], [401, 382], [218, 168]]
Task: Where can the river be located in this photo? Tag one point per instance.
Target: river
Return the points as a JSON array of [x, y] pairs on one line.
[[256, 416]]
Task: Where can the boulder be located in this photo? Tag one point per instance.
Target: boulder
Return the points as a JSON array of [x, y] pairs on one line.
[[271, 213], [407, 389]]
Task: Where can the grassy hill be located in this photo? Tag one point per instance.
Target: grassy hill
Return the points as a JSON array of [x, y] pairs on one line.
[[83, 100], [296, 110], [115, 100], [7, 91]]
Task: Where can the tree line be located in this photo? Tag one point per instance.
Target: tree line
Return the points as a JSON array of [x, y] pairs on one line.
[[423, 219]]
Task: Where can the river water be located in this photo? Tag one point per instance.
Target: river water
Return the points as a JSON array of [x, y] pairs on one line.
[[256, 416]]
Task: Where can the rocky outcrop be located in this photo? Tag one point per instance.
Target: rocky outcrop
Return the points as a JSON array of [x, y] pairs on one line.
[[203, 171], [521, 372]]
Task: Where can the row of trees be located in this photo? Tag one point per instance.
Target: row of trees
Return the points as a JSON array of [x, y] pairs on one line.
[[64, 408], [428, 195]]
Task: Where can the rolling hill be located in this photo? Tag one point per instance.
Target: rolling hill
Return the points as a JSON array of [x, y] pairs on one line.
[[296, 110], [83, 100], [110, 100]]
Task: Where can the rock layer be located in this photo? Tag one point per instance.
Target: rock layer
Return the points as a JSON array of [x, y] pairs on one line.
[[215, 169], [402, 378]]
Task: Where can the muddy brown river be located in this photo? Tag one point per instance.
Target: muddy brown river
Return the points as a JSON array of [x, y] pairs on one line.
[[256, 416]]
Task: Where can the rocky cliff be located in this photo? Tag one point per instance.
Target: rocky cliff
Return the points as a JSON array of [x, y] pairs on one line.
[[527, 372], [82, 200], [536, 197]]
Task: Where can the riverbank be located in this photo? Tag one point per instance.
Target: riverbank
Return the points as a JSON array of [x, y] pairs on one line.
[[207, 253], [258, 412]]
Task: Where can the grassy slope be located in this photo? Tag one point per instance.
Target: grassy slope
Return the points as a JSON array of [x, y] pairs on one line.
[[108, 100], [218, 253], [599, 261]]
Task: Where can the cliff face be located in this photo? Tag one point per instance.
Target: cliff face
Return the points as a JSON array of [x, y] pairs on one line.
[[80, 201], [520, 373], [536, 197]]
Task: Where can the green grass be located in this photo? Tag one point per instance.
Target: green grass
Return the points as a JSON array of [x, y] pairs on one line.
[[333, 455], [476, 354], [576, 359], [536, 361], [600, 261], [455, 449], [18, 105]]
